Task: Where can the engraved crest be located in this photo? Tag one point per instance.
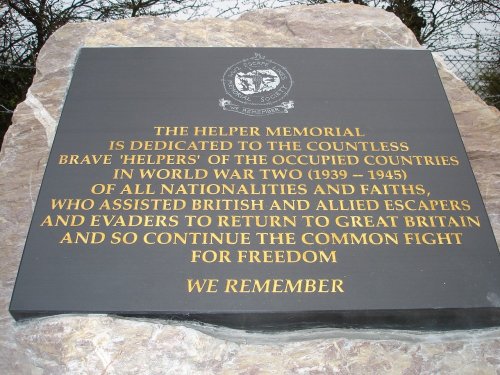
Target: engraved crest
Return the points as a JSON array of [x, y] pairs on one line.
[[255, 85]]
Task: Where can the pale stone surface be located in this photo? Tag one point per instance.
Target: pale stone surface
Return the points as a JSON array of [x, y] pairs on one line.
[[107, 345]]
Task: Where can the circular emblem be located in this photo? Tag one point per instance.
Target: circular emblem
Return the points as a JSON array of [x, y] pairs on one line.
[[257, 81]]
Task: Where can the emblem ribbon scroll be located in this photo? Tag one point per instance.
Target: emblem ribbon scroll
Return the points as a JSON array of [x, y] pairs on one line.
[[280, 108]]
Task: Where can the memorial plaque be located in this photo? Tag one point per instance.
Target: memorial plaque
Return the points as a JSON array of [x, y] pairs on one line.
[[260, 188]]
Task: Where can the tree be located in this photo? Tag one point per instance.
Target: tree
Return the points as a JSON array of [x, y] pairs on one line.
[[490, 78], [119, 9], [16, 64], [25, 26], [410, 15]]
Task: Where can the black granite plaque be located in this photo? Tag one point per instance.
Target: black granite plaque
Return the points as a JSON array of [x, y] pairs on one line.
[[260, 188]]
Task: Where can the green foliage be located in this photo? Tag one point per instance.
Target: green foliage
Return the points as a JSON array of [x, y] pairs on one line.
[[491, 81], [14, 83], [410, 15]]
